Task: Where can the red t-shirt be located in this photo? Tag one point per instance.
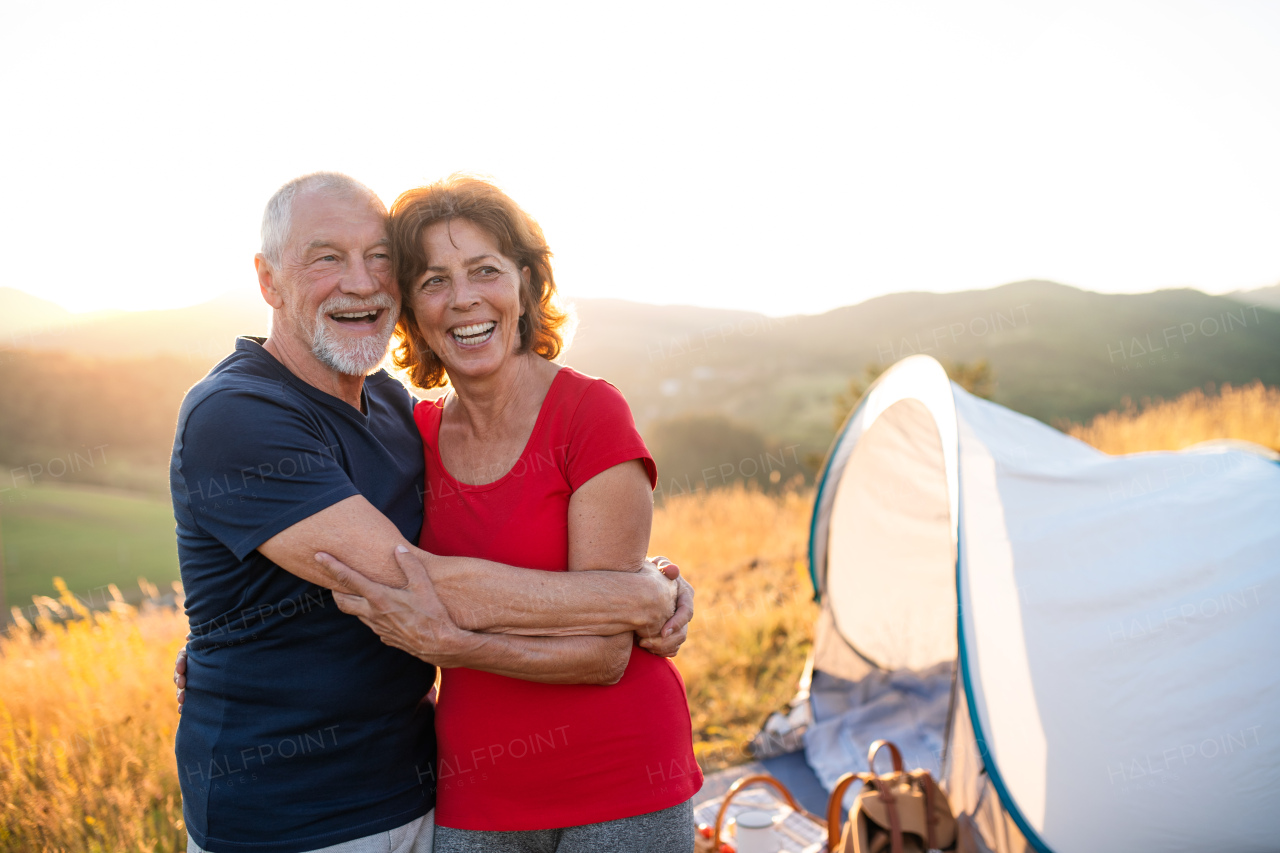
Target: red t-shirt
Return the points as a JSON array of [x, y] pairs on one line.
[[517, 754]]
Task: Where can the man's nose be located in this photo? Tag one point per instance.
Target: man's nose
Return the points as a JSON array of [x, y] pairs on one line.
[[360, 279]]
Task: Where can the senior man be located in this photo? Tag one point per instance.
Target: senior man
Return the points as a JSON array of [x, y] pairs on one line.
[[301, 730]]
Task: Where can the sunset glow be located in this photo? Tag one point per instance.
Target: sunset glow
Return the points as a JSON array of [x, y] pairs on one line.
[[721, 155]]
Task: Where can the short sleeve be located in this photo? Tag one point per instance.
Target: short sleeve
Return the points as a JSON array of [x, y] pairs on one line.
[[249, 466], [602, 434]]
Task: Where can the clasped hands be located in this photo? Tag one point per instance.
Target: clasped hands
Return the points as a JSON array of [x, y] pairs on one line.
[[414, 620]]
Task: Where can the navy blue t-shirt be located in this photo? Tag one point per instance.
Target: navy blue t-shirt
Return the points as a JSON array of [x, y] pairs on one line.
[[300, 729]]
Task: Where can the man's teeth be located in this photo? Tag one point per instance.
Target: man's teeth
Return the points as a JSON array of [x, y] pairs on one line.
[[354, 315], [474, 330]]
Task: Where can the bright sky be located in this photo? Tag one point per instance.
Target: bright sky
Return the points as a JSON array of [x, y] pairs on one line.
[[729, 154]]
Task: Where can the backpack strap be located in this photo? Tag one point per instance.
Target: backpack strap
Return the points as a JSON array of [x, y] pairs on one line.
[[893, 754], [924, 782], [891, 806], [835, 807], [883, 787]]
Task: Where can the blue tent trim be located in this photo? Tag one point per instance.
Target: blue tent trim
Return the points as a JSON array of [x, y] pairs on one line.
[[813, 522], [988, 760], [822, 488]]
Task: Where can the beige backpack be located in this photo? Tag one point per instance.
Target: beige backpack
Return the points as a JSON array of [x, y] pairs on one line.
[[898, 812]]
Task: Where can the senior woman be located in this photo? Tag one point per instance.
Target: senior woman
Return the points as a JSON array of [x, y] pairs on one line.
[[532, 464]]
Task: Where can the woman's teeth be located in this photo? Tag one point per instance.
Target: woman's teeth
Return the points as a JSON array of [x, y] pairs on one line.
[[476, 333]]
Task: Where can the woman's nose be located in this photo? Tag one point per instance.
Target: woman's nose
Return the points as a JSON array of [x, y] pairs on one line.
[[465, 294]]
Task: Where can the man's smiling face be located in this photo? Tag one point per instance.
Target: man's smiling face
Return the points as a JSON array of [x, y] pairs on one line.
[[340, 299]]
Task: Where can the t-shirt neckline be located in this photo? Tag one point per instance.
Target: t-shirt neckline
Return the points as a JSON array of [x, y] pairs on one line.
[[253, 346], [529, 442]]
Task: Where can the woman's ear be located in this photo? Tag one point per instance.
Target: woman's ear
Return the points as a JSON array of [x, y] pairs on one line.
[[525, 279]]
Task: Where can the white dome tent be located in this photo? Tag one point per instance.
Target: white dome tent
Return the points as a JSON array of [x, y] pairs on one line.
[[1085, 648]]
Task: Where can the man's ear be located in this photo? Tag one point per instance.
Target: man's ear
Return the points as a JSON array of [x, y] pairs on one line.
[[267, 281]]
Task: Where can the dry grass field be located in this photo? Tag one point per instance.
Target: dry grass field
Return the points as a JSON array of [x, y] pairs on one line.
[[746, 554], [1251, 413], [87, 720], [87, 713]]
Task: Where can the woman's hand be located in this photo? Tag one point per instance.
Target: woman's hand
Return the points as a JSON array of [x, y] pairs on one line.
[[656, 609], [662, 564], [671, 635], [676, 629], [411, 619]]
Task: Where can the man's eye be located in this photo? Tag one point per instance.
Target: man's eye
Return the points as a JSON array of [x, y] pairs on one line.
[[329, 258]]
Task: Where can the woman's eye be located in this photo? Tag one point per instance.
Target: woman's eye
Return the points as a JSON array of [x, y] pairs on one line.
[[487, 271]]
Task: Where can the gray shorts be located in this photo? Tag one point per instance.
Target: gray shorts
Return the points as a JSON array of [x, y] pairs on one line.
[[413, 837], [666, 831]]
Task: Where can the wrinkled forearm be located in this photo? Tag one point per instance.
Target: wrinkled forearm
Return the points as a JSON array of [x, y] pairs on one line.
[[550, 660], [498, 599]]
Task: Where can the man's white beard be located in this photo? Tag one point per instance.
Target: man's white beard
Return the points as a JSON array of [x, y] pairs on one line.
[[359, 356]]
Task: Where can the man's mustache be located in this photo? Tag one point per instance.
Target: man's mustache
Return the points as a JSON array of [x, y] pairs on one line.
[[345, 302]]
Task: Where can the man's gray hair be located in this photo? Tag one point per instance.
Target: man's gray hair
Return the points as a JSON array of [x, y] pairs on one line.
[[278, 217]]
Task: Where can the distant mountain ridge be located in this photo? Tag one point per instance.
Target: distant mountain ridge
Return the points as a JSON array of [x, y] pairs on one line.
[[1057, 351], [1266, 296]]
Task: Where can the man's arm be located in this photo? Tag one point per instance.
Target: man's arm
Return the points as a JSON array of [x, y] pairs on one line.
[[480, 595], [355, 529], [609, 521], [414, 620]]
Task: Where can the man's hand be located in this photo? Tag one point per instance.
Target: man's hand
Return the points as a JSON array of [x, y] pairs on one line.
[[180, 676], [411, 619], [676, 629]]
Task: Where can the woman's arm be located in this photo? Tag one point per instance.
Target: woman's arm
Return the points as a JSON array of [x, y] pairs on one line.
[[414, 620], [481, 595], [610, 517], [609, 520]]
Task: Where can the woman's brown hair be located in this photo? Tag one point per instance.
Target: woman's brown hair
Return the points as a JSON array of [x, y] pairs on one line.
[[519, 238]]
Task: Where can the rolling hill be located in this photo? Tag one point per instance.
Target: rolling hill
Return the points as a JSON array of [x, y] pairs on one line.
[[91, 400], [1265, 296], [1058, 353]]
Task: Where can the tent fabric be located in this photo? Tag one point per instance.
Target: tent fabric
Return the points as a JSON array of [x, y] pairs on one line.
[[890, 523], [972, 795], [1112, 620]]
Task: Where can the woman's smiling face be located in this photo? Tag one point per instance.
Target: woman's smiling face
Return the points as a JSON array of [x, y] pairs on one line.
[[467, 302]]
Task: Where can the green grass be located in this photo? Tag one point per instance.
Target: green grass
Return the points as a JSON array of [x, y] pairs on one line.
[[88, 536]]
